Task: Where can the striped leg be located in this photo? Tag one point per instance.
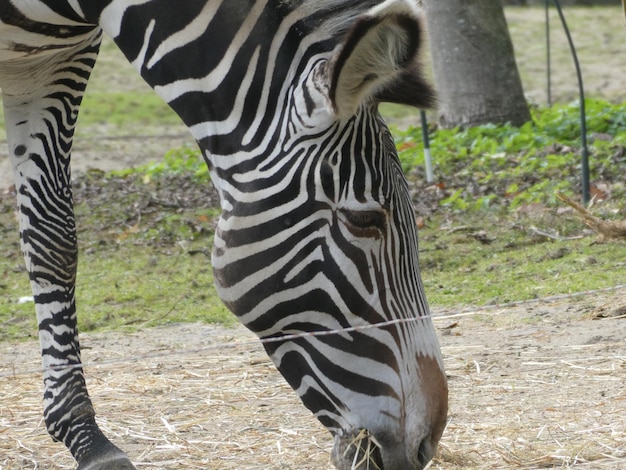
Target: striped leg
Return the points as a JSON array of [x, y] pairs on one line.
[[41, 100]]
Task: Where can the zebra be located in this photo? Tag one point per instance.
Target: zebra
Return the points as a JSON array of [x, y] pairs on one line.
[[317, 231]]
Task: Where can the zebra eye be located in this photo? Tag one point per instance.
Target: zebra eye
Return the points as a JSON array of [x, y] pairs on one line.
[[364, 223]]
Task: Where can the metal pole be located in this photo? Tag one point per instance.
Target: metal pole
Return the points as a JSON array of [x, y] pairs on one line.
[[548, 55], [428, 160], [583, 120]]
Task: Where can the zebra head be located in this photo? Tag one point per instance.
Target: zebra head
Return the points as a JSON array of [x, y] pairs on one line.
[[318, 234]]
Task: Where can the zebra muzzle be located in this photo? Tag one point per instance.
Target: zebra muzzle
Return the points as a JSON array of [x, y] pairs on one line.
[[361, 450]]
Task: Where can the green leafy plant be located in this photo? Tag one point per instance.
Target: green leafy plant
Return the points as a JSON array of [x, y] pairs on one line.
[[507, 167], [186, 159], [178, 161]]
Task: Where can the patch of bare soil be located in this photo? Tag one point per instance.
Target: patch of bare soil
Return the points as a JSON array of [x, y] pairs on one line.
[[536, 385], [105, 149]]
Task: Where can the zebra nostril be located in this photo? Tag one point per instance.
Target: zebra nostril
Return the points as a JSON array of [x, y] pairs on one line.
[[425, 452]]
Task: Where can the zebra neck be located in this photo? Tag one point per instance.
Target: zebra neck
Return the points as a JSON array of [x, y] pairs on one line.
[[226, 66], [222, 65]]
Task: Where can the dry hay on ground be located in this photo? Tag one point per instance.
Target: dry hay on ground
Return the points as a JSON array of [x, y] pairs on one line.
[[535, 386], [541, 386]]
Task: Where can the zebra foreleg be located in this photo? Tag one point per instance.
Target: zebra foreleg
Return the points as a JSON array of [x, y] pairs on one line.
[[41, 100]]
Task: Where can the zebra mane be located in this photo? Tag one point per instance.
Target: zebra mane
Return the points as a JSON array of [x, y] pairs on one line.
[[332, 17]]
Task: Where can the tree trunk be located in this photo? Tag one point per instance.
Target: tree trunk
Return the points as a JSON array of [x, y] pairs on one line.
[[474, 64]]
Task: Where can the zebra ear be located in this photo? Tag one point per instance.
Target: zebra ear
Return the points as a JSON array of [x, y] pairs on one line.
[[378, 60], [410, 88]]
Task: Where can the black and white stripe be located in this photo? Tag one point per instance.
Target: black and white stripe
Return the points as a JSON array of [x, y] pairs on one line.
[[317, 231]]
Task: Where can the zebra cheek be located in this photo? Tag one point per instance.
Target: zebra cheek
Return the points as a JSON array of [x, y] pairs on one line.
[[433, 386]]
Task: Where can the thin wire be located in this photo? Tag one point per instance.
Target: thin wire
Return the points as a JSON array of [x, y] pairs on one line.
[[583, 118], [443, 315]]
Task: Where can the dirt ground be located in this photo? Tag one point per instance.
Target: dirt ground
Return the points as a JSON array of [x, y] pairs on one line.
[[536, 385], [107, 150]]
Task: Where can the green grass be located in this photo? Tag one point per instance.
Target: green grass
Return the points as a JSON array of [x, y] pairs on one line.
[[154, 269], [129, 280], [124, 286], [126, 110], [130, 285], [458, 270], [140, 264]]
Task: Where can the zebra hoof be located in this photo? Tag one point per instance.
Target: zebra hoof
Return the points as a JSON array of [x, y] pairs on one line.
[[121, 463], [113, 459]]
